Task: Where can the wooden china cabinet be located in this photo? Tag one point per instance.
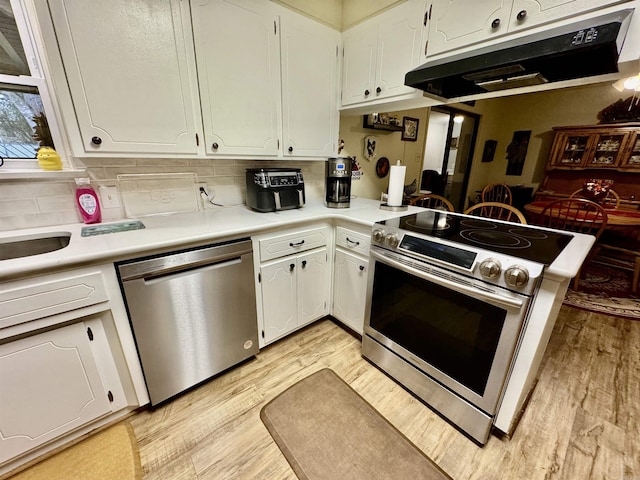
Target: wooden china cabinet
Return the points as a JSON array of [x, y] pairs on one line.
[[609, 151], [596, 147]]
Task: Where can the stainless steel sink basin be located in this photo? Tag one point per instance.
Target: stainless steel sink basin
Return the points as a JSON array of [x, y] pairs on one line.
[[29, 245]]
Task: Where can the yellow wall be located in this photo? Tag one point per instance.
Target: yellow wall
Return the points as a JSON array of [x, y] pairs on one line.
[[538, 112], [388, 144], [499, 118]]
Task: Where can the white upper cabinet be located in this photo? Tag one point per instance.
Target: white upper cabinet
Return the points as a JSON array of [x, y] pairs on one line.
[[309, 56], [380, 51], [530, 13], [130, 70], [268, 79], [238, 59], [359, 64], [459, 23], [207, 77]]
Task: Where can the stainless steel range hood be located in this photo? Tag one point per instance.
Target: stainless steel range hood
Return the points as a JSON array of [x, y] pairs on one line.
[[578, 50]]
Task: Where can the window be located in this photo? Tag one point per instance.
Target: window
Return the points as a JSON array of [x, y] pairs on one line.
[[24, 100], [24, 124]]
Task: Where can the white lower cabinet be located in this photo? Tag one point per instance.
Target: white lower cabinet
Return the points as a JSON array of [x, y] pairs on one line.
[[68, 362], [351, 268], [293, 289], [349, 289], [51, 384]]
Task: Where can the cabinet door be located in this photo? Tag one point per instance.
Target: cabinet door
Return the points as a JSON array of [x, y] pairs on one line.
[[131, 74], [279, 298], [50, 385], [631, 159], [238, 60], [399, 46], [359, 63], [313, 286], [570, 149], [310, 114], [608, 149], [349, 290], [531, 13], [458, 23]]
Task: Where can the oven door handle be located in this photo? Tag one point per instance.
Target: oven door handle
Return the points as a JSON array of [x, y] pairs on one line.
[[475, 292]]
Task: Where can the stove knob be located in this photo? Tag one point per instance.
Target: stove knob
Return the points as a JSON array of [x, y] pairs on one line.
[[490, 268], [516, 276], [392, 240], [378, 236]]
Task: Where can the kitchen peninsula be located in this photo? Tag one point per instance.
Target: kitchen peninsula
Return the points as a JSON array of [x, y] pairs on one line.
[[91, 258]]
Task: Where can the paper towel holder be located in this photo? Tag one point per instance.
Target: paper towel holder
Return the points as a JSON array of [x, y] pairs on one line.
[[393, 208]]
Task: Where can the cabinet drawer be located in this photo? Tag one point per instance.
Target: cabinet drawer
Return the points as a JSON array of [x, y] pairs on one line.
[[27, 300], [297, 241], [354, 241]]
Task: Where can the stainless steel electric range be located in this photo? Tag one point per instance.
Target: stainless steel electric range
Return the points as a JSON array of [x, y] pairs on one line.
[[449, 299]]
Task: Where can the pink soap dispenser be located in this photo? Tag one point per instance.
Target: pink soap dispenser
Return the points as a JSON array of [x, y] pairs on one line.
[[87, 200]]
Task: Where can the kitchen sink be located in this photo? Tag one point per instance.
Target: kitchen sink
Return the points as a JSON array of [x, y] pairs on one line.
[[29, 245]]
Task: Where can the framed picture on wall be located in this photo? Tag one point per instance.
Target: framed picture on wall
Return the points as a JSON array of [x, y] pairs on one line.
[[409, 129], [489, 150]]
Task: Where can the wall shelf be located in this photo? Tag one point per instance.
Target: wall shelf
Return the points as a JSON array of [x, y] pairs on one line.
[[367, 123]]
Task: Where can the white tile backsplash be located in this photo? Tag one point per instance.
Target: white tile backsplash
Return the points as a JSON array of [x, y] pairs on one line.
[[38, 203]]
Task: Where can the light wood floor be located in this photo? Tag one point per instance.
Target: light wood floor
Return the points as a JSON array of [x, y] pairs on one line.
[[582, 421]]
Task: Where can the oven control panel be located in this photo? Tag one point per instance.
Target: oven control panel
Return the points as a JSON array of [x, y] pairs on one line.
[[508, 272]]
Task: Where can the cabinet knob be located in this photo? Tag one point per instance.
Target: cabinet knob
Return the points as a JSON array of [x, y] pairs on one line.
[[292, 266], [304, 263], [96, 140], [290, 149], [378, 89], [214, 146], [366, 92], [361, 267], [522, 14], [496, 23]]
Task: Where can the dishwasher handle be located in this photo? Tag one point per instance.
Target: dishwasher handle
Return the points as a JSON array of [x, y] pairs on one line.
[[183, 260]]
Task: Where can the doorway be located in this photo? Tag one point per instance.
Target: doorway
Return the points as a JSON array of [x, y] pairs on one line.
[[448, 153]]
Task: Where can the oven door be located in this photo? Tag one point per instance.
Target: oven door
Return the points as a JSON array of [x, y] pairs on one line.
[[460, 332]]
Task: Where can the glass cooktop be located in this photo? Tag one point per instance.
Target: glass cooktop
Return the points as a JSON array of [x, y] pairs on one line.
[[522, 241]]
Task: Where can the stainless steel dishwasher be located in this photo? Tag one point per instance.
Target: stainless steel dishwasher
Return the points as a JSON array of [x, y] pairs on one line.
[[193, 313]]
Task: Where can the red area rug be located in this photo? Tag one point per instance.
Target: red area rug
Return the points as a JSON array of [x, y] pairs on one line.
[[605, 289]]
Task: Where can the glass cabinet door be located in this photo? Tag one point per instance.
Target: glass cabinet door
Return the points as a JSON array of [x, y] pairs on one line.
[[572, 151], [608, 150], [632, 159]]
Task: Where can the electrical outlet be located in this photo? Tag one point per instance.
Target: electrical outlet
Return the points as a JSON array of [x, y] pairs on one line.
[[109, 197]]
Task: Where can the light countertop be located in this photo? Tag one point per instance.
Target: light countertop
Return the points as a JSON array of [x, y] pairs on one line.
[[166, 232]]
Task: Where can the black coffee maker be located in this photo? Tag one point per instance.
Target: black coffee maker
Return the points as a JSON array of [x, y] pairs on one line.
[[338, 182]]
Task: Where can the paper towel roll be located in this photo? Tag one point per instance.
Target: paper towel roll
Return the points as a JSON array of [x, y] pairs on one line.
[[396, 185]]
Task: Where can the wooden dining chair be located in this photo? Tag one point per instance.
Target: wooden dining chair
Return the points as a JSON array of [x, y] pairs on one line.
[[611, 200], [431, 200], [497, 192], [497, 210], [576, 215]]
